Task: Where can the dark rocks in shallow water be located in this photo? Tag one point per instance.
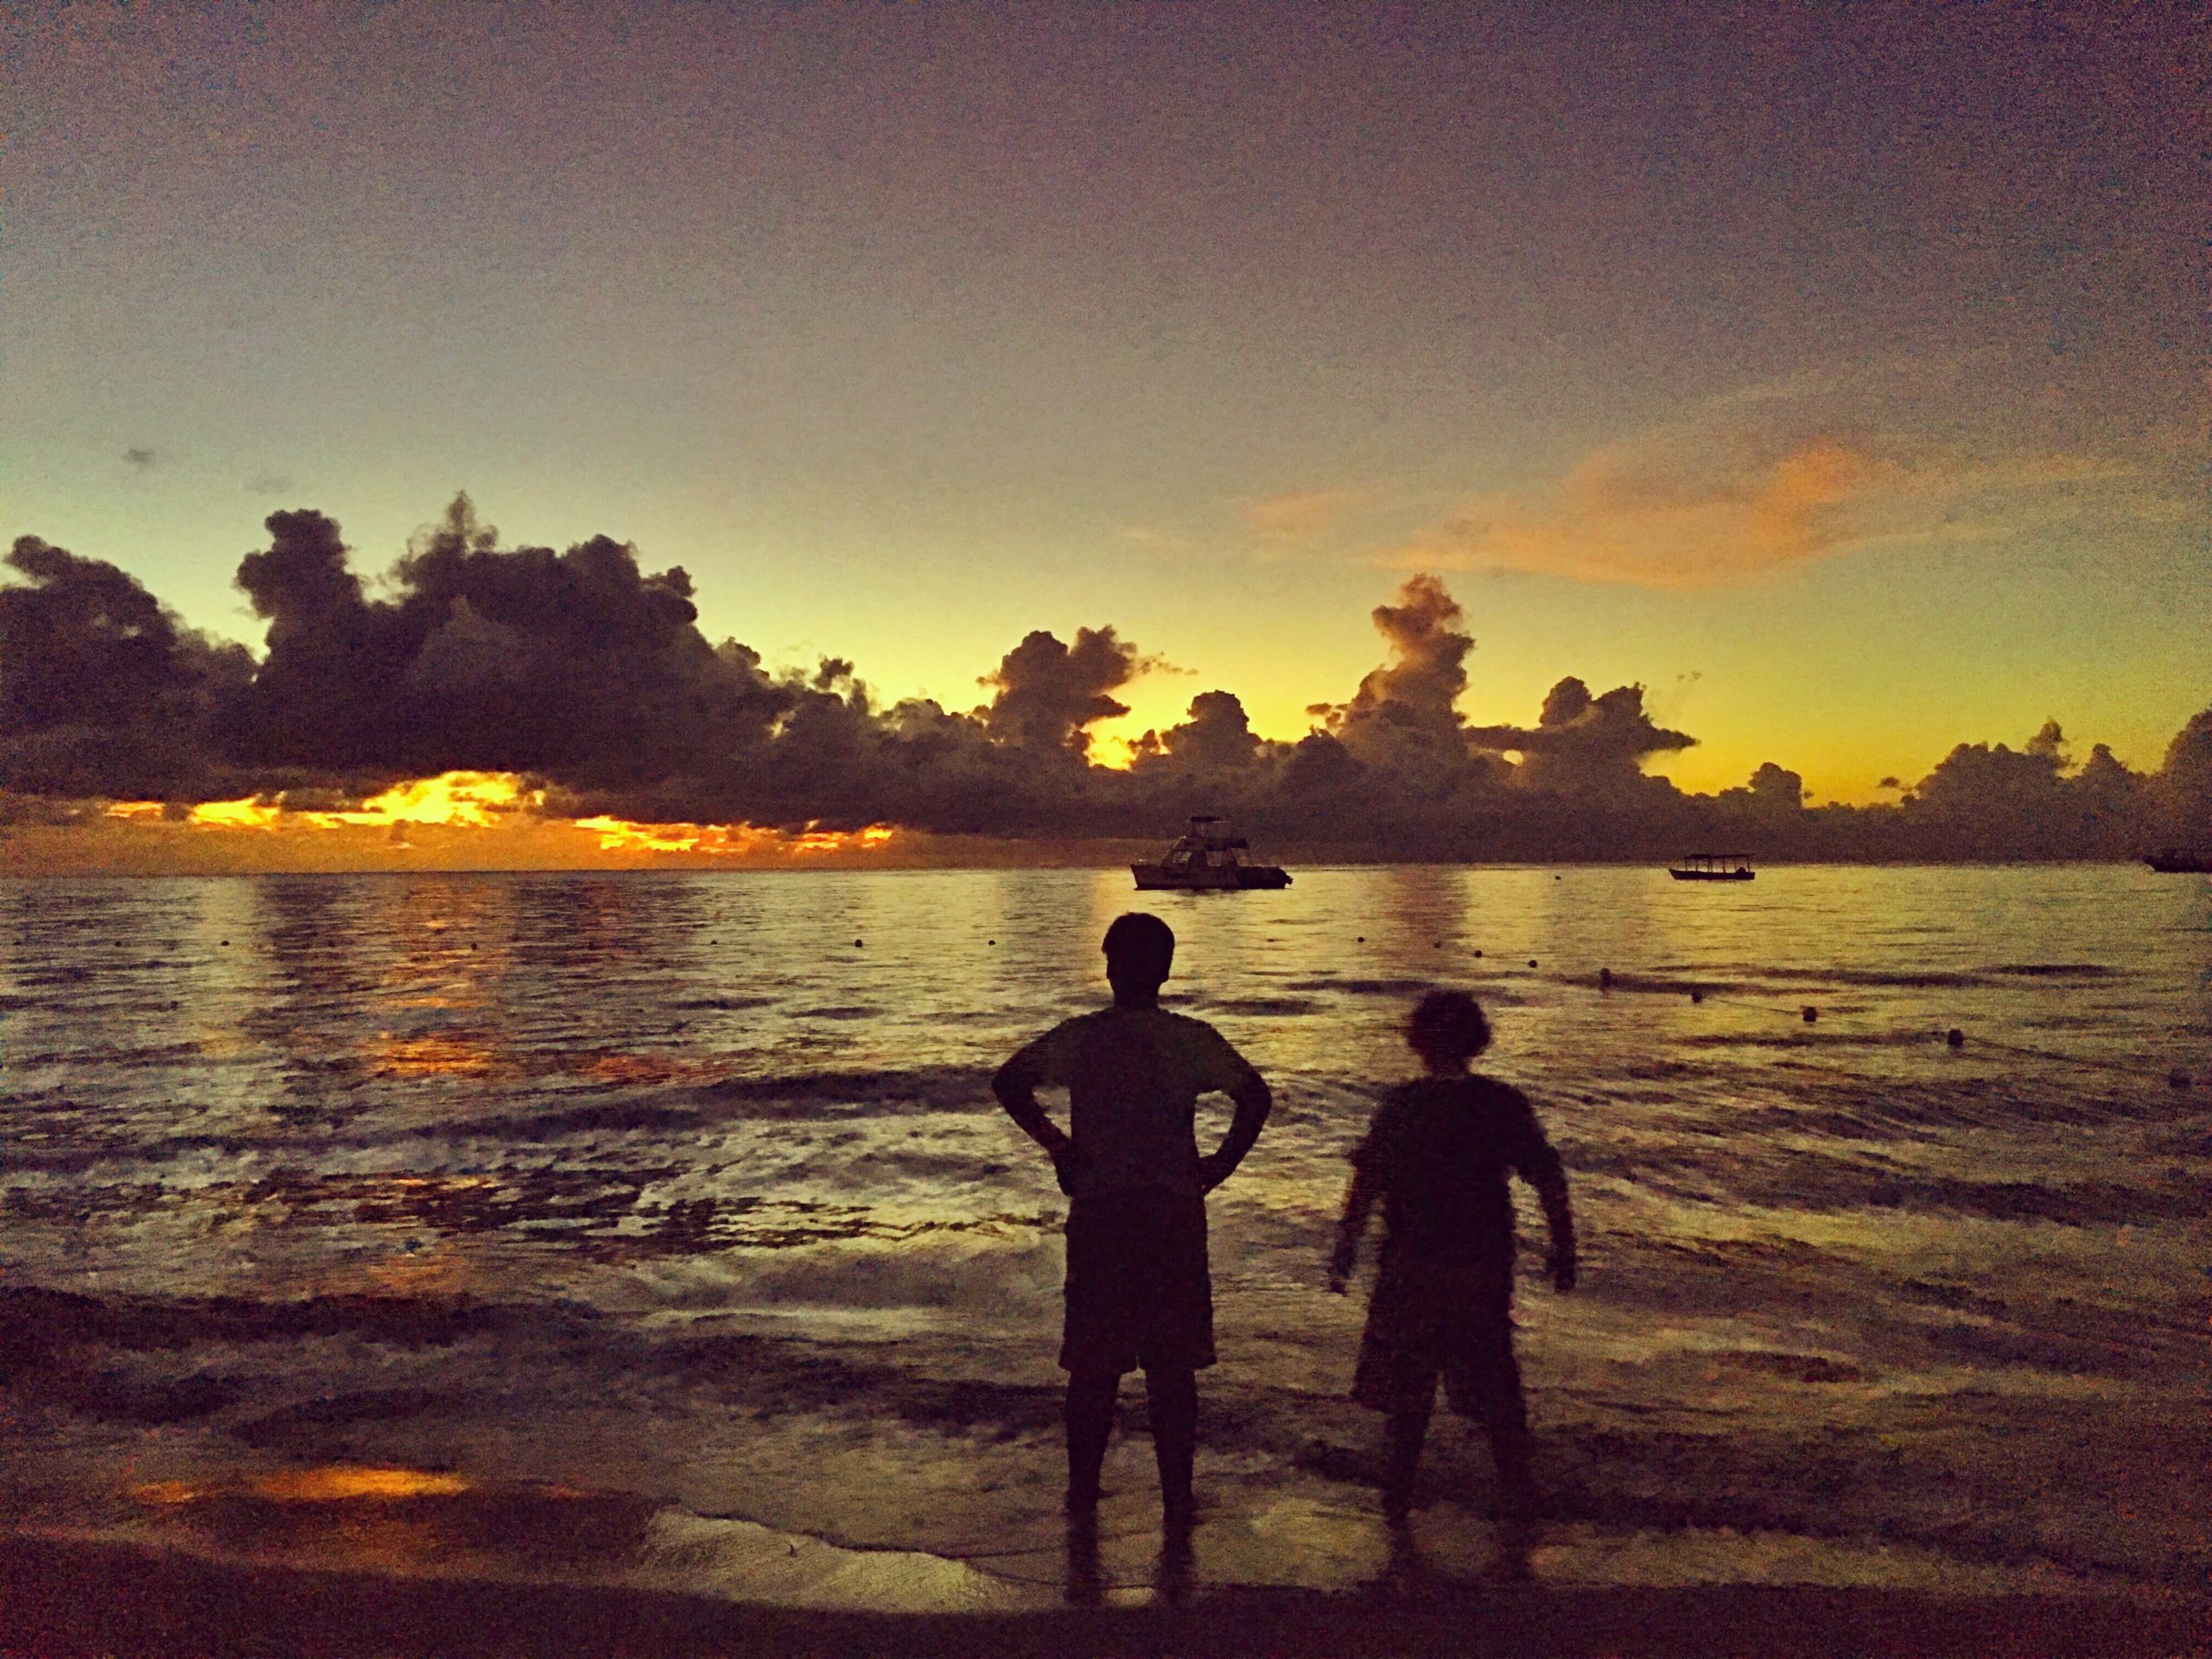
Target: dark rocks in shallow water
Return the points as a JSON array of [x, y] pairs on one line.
[[2177, 1078], [1955, 1038], [1811, 1013]]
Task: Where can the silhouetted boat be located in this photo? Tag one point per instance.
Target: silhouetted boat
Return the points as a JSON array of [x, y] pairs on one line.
[[2174, 862], [1208, 858], [1713, 867]]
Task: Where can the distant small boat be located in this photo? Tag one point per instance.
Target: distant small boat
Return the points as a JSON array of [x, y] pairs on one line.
[[1210, 857], [1713, 867], [2174, 862]]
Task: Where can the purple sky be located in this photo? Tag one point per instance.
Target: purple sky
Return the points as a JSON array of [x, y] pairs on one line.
[[1837, 372]]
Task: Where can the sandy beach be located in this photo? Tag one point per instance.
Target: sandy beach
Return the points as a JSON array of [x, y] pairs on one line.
[[64, 1599]]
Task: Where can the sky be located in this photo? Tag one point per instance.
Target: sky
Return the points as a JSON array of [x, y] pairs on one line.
[[1835, 373]]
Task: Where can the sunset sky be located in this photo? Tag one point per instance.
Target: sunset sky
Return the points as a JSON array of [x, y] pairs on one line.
[[1834, 372]]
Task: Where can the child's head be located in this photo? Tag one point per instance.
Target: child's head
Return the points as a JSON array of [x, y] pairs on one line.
[[1447, 1029], [1140, 950]]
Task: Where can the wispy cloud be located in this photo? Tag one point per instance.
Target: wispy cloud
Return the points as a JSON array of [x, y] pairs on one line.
[[1771, 477], [1616, 517], [1301, 518]]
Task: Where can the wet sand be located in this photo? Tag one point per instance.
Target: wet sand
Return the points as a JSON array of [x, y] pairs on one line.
[[77, 1598]]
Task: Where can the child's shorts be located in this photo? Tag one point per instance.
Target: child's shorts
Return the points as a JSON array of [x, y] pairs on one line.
[[1138, 1291], [1428, 1324]]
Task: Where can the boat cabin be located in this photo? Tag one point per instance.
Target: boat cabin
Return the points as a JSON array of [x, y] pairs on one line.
[[1210, 853]]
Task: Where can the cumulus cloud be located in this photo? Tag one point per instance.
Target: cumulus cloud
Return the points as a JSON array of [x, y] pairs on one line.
[[1406, 712], [103, 691], [2184, 782], [1217, 738], [1048, 695], [1989, 800], [585, 674], [1584, 744]]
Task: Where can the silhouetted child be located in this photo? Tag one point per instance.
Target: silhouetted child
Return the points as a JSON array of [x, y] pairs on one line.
[[1138, 1293], [1438, 1155]]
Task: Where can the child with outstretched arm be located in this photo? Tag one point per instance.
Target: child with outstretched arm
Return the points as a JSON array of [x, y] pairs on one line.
[[1436, 1156]]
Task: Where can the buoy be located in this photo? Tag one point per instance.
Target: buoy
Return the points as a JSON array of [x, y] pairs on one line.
[[1955, 1038], [990, 941], [2177, 1078], [1479, 953], [1605, 979], [1697, 996], [1811, 1013], [1362, 938], [857, 944], [225, 941], [1532, 962]]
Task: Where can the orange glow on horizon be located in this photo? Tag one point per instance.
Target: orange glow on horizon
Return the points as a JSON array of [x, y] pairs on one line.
[[478, 800], [497, 800], [730, 840]]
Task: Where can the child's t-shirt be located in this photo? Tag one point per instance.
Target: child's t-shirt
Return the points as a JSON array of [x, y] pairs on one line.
[[1133, 1076], [1438, 1152]]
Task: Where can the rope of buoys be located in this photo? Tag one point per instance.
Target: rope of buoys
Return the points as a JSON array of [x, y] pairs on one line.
[[1954, 1037]]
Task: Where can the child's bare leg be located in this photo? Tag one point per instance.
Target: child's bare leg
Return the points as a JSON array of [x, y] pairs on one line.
[[1090, 1423], [1506, 1415], [1404, 1433], [1171, 1398]]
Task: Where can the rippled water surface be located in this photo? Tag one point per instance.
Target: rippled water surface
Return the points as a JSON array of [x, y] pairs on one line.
[[688, 1193]]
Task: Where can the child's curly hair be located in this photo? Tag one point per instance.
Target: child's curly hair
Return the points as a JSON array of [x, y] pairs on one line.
[[1451, 1024]]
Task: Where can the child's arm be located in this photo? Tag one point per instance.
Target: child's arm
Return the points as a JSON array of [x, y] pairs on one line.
[[1252, 1104], [1359, 1202], [1225, 1069], [1016, 1085], [1359, 1199], [1540, 1167]]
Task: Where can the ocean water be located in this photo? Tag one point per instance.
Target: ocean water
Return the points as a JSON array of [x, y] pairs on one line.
[[662, 1227]]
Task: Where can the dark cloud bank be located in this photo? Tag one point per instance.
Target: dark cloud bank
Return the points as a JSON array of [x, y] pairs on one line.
[[591, 677]]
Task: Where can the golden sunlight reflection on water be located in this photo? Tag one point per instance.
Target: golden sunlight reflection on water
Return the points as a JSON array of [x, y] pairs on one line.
[[328, 1484]]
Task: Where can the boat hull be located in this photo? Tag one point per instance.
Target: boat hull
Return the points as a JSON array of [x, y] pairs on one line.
[[2179, 863], [1713, 875], [1154, 878]]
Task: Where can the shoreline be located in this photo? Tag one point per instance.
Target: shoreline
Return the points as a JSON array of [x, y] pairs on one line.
[[64, 1598]]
